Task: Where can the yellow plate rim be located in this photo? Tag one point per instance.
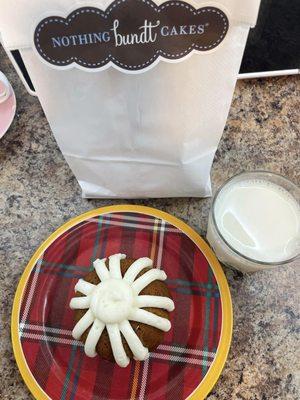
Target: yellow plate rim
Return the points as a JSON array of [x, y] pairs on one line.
[[215, 369]]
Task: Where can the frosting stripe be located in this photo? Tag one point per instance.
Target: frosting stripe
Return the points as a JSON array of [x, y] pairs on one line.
[[83, 324], [93, 338], [114, 265], [80, 303], [151, 319], [155, 301], [147, 278], [117, 346], [139, 351], [84, 287], [101, 269], [136, 268]]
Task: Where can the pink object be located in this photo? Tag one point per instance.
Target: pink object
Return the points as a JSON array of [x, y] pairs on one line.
[[3, 90], [7, 104]]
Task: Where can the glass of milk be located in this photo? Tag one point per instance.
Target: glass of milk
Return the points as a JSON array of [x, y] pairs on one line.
[[254, 222]]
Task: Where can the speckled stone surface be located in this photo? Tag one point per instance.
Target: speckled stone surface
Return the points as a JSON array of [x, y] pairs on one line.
[[38, 193]]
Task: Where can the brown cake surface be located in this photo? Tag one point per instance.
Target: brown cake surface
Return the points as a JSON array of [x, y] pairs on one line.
[[150, 337]]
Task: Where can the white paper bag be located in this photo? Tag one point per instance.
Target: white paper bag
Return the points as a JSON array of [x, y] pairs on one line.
[[133, 134]]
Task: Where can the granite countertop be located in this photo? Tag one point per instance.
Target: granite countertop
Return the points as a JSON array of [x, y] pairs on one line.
[[38, 192]]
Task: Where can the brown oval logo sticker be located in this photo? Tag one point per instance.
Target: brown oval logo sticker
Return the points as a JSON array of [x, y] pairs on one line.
[[132, 35]]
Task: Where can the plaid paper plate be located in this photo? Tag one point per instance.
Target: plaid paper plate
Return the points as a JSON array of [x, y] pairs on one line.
[[188, 362]]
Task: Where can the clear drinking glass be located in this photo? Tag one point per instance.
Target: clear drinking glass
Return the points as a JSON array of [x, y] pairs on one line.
[[231, 256]]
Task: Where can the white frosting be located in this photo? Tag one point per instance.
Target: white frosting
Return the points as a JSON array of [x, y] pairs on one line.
[[114, 302]]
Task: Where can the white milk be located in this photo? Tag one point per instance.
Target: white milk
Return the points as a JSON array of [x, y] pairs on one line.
[[259, 219]]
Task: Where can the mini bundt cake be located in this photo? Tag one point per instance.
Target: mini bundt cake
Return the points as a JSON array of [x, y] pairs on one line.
[[122, 309]]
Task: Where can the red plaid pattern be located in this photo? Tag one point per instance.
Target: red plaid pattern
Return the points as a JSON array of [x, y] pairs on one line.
[[175, 369]]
